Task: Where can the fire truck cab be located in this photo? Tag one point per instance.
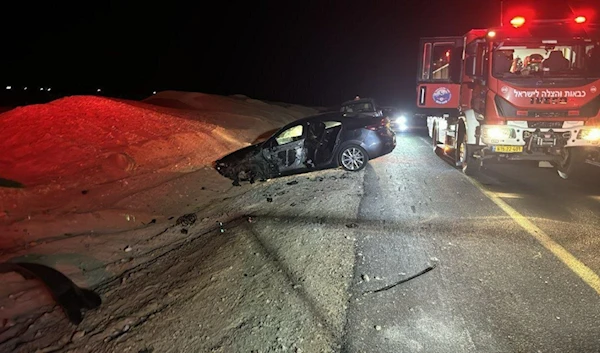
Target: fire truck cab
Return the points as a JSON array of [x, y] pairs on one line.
[[529, 90]]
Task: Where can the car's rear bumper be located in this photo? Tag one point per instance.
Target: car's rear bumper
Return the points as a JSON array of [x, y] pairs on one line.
[[378, 145]]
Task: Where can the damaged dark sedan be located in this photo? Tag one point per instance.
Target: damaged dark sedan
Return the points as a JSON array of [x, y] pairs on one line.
[[328, 140]]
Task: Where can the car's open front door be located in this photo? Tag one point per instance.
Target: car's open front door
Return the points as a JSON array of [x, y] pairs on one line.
[[287, 149], [440, 71]]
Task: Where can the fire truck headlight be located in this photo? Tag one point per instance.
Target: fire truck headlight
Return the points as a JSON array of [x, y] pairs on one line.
[[497, 132], [590, 134]]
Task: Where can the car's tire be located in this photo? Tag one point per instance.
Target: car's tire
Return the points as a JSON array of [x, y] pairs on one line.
[[573, 164], [353, 158]]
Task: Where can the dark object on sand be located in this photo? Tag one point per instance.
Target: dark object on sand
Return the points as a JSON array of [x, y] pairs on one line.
[[67, 294], [7, 183]]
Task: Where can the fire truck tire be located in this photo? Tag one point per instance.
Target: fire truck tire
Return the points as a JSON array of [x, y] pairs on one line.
[[573, 165], [434, 141], [464, 159], [470, 165]]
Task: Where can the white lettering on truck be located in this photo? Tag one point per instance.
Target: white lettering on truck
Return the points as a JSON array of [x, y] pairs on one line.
[[546, 93]]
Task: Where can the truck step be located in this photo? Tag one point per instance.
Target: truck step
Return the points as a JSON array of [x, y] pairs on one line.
[[592, 162]]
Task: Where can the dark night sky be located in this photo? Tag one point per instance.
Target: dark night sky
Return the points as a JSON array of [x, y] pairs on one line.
[[308, 52]]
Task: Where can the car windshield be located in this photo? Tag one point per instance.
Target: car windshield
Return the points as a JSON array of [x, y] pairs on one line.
[[548, 59], [358, 107]]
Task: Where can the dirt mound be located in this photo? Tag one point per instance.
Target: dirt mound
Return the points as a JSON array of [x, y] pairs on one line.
[[57, 142], [54, 143], [55, 155]]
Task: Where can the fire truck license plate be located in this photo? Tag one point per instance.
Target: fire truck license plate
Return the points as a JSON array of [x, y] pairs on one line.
[[508, 149]]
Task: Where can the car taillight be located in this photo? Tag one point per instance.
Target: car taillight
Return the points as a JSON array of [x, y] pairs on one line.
[[381, 123]]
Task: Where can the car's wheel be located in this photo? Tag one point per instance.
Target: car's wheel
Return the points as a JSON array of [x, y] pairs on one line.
[[572, 165], [353, 158]]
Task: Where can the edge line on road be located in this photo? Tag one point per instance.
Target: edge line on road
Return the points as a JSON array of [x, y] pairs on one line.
[[573, 263]]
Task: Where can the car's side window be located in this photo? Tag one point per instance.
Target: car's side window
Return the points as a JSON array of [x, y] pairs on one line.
[[290, 135], [331, 124]]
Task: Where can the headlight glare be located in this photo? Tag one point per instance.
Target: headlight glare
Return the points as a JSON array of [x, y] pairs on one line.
[[590, 134], [497, 132]]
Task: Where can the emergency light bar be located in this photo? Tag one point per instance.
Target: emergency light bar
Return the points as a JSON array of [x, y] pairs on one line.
[[517, 21]]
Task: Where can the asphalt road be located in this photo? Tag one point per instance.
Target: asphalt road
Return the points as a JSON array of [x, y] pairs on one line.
[[515, 252]]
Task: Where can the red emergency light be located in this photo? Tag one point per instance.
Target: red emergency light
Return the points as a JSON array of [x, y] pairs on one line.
[[517, 21], [580, 19]]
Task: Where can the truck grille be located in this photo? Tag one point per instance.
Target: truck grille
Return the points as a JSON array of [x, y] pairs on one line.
[[545, 124], [547, 114]]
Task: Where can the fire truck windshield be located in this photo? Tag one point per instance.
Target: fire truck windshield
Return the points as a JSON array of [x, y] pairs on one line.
[[514, 60]]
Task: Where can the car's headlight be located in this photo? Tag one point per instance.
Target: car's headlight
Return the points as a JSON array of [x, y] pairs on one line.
[[401, 120], [497, 132], [590, 134]]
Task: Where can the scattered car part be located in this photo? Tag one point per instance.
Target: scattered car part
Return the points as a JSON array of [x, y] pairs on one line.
[[429, 268], [71, 298]]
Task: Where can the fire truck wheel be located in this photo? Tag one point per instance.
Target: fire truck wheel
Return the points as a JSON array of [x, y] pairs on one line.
[[573, 164], [434, 141], [469, 164], [464, 154]]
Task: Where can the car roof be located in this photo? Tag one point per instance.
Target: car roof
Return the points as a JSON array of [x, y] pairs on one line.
[[344, 119], [362, 100], [329, 116], [338, 116]]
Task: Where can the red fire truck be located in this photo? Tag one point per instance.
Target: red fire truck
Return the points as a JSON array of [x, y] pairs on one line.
[[527, 90]]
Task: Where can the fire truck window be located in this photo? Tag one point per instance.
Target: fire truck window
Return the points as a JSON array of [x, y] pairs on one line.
[[562, 60], [426, 62], [592, 57], [440, 61], [503, 60]]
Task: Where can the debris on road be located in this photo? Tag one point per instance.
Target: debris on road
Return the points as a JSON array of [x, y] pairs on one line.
[[186, 220], [429, 268], [293, 182], [77, 335], [352, 225], [71, 298]]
